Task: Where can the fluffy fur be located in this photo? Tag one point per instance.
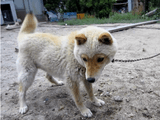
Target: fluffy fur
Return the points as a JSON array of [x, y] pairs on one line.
[[80, 56]]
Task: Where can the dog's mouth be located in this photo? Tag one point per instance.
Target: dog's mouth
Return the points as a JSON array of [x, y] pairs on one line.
[[91, 80]]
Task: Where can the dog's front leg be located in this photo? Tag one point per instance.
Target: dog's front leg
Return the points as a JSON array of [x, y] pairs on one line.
[[89, 90], [74, 89]]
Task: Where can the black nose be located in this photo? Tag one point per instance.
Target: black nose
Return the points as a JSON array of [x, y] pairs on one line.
[[91, 80]]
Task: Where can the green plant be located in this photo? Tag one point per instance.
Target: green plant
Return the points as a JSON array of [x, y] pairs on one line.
[[114, 18], [157, 14], [101, 8], [154, 3], [151, 4], [55, 5]]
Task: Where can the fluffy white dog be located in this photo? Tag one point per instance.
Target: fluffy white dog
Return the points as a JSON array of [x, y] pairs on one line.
[[80, 56]]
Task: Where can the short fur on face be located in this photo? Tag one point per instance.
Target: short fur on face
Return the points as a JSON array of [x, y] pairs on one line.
[[98, 45], [93, 65]]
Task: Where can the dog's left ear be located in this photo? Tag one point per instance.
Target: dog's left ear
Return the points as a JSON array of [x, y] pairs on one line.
[[80, 39], [105, 38]]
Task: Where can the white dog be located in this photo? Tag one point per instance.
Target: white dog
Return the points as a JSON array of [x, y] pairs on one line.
[[80, 56]]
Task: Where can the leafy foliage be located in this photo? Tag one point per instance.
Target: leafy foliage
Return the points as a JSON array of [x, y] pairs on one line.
[[99, 8], [155, 3], [151, 4], [55, 5]]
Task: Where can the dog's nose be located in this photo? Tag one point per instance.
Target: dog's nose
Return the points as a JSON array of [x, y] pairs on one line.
[[91, 80]]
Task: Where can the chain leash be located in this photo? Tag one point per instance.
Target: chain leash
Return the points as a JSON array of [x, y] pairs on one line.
[[135, 60]]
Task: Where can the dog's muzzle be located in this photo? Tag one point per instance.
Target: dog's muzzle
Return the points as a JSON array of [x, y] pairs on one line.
[[91, 80]]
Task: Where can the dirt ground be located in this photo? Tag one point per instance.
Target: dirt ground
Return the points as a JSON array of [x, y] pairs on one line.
[[131, 90]]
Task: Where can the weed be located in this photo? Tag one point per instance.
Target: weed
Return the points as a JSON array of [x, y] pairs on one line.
[[114, 18]]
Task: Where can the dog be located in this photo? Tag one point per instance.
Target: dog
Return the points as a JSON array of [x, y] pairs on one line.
[[79, 56]]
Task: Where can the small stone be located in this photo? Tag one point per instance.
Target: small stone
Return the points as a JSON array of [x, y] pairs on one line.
[[108, 94], [141, 91], [102, 84], [118, 99], [53, 109], [145, 108], [61, 107], [144, 50], [81, 118], [129, 73], [105, 75], [75, 113], [150, 91], [131, 115], [100, 90], [127, 99], [16, 50], [147, 114], [85, 94], [109, 83], [133, 88], [8, 88], [45, 100], [142, 82]]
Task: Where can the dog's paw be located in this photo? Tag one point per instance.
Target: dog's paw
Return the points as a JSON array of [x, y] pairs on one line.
[[98, 102], [60, 83], [86, 112], [23, 110]]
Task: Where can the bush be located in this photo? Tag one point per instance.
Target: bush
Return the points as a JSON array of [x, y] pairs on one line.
[[55, 5], [99, 8]]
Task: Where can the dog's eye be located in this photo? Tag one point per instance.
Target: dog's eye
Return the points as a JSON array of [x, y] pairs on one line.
[[100, 59], [84, 59]]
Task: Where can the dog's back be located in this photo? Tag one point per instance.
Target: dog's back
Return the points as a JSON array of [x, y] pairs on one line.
[[46, 51]]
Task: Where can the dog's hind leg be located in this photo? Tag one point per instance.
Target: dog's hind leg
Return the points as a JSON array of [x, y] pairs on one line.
[[89, 90], [52, 80], [74, 89], [26, 76]]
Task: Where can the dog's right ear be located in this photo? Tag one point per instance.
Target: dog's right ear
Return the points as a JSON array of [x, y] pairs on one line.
[[80, 39], [105, 38]]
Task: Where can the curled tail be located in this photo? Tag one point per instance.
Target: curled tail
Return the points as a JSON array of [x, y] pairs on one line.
[[29, 24]]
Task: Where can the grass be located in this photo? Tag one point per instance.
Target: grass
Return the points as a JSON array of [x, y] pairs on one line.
[[116, 18]]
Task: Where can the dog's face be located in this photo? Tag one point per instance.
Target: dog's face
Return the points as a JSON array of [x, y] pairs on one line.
[[94, 48]]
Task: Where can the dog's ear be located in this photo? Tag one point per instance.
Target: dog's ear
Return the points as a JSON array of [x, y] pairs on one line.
[[105, 38], [80, 39]]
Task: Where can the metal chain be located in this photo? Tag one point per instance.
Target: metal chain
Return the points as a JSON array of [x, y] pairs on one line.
[[134, 60]]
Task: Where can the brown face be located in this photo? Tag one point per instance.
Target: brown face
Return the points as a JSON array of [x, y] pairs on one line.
[[98, 45], [94, 65]]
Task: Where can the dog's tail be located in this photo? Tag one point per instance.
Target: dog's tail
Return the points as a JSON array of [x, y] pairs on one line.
[[29, 24]]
